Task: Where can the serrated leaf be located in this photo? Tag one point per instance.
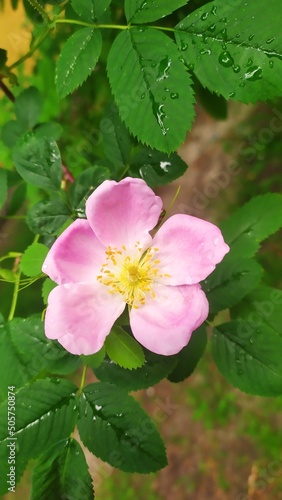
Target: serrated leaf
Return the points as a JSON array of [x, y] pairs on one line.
[[33, 258], [115, 428], [38, 161], [189, 356], [213, 104], [3, 186], [45, 414], [28, 107], [117, 142], [90, 9], [85, 184], [140, 11], [155, 369], [232, 50], [11, 132], [62, 472], [230, 282], [78, 59], [156, 168], [123, 349], [250, 361], [253, 223], [262, 305], [151, 87], [47, 217]]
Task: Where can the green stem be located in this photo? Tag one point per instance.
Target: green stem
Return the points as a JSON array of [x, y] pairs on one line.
[[91, 25], [36, 5], [15, 297], [83, 377]]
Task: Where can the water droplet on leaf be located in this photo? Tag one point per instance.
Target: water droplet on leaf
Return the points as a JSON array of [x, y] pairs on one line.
[[225, 59]]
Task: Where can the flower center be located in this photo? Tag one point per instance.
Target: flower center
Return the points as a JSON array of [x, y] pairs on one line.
[[131, 274]]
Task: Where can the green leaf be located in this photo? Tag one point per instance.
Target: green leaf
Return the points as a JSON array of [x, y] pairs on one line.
[[7, 275], [117, 142], [62, 472], [45, 414], [78, 59], [3, 58], [11, 132], [47, 217], [190, 355], [33, 258], [3, 186], [47, 287], [232, 50], [156, 168], [116, 429], [85, 184], [140, 11], [28, 108], [38, 161], [155, 369], [123, 349], [151, 87], [50, 130], [230, 282], [262, 305], [249, 359], [213, 104], [18, 198], [253, 223], [95, 360], [90, 9]]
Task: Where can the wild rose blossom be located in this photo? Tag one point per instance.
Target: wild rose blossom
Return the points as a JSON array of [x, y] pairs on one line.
[[110, 260]]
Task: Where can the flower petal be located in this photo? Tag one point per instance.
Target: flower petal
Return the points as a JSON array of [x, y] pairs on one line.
[[80, 316], [123, 213], [76, 255], [164, 325], [189, 249]]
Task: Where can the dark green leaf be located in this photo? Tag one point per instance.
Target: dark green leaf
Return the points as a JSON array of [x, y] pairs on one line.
[[90, 9], [78, 59], [213, 104], [11, 132], [188, 358], [45, 414], [62, 472], [232, 50], [18, 198], [3, 186], [116, 138], [28, 108], [230, 282], [47, 216], [140, 11], [50, 130], [155, 369], [85, 184], [253, 223], [33, 258], [123, 349], [156, 168], [261, 306], [38, 161], [115, 428], [3, 58], [250, 358], [151, 87]]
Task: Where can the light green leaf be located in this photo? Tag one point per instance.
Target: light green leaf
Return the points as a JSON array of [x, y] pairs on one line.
[[28, 108], [253, 223], [33, 258], [11, 132], [90, 9], [7, 275], [155, 369], [156, 168], [232, 50], [95, 360], [151, 87], [62, 472], [189, 356], [78, 59], [140, 11], [47, 216], [116, 429], [3, 186], [230, 282], [250, 359], [38, 161], [45, 414], [123, 349]]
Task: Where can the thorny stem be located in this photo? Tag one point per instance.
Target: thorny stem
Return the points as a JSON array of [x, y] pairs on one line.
[[6, 91], [37, 6]]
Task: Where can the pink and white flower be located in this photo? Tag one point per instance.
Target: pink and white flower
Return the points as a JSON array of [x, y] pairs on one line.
[[110, 260]]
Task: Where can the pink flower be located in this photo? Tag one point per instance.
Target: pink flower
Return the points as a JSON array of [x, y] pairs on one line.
[[110, 260]]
